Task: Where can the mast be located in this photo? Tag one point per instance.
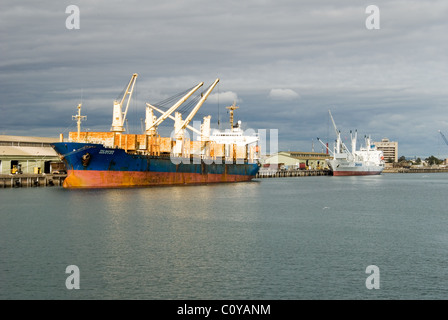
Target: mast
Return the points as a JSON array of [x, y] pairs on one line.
[[78, 119], [232, 108], [354, 138], [368, 143]]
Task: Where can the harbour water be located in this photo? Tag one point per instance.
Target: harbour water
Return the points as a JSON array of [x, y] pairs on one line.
[[280, 238]]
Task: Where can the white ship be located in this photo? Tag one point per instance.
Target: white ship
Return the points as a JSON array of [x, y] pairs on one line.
[[365, 161]]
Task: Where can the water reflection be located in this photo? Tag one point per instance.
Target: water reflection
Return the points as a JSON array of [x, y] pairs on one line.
[[260, 240]]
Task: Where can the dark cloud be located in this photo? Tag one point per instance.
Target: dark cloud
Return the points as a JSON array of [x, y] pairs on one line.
[[388, 83]]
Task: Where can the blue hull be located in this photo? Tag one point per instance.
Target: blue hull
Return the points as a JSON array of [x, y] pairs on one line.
[[93, 165]]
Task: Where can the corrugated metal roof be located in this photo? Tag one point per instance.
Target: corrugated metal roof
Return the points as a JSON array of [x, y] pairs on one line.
[[27, 151], [7, 138]]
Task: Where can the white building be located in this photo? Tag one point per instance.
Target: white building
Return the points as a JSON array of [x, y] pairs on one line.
[[389, 148]]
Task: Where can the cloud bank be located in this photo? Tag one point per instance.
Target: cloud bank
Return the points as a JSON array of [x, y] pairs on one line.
[[285, 62]]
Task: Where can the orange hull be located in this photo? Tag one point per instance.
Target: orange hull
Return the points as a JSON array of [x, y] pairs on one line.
[[114, 179]]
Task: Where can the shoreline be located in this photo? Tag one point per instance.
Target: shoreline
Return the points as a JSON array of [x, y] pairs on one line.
[[50, 180], [415, 170]]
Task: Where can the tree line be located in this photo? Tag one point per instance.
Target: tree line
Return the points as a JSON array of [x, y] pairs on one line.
[[431, 160]]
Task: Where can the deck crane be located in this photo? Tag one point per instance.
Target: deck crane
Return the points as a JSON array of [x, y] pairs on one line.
[[196, 108], [180, 125], [151, 125], [172, 118], [340, 145], [119, 117], [443, 137], [326, 146]]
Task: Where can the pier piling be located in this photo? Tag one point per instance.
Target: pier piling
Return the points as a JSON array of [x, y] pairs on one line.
[[291, 173], [31, 180]]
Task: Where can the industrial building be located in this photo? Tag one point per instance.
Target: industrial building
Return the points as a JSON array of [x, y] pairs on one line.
[[299, 160], [28, 155], [389, 148]]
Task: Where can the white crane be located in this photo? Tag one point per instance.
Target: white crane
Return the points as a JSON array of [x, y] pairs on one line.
[[119, 117], [150, 124], [171, 117], [196, 108], [340, 145]]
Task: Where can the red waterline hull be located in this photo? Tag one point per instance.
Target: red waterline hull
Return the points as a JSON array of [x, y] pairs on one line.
[[356, 173], [114, 179]]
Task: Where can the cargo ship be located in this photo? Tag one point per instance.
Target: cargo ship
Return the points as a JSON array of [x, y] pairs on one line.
[[119, 159], [365, 161]]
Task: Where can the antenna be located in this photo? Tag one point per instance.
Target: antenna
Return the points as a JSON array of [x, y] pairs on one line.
[[219, 122]]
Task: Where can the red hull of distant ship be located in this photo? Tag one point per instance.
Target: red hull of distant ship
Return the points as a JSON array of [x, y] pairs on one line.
[[356, 173]]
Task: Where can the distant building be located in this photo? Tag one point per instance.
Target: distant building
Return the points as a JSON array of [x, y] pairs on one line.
[[294, 159], [28, 155], [389, 148]]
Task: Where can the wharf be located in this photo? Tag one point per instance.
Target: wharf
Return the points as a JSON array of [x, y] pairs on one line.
[[415, 170], [31, 180], [291, 173]]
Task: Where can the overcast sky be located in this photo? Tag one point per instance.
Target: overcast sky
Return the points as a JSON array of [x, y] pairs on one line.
[[285, 62]]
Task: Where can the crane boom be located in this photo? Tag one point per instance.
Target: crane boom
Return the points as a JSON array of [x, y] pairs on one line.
[[174, 107], [172, 118], [340, 145], [328, 149], [200, 103], [129, 91], [443, 137], [334, 124]]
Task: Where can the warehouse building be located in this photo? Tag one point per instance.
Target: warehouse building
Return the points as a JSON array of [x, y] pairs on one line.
[[19, 154], [298, 160]]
